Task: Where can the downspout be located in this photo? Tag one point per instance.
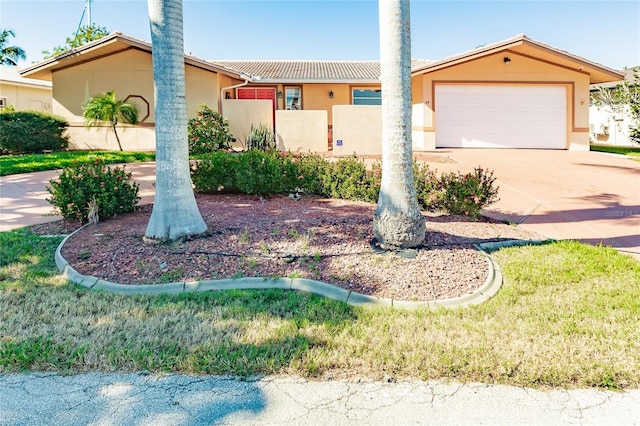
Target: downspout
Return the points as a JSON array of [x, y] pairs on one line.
[[235, 86]]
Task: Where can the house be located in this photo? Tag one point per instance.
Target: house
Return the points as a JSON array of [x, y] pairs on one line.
[[608, 126], [23, 93], [516, 93], [124, 64]]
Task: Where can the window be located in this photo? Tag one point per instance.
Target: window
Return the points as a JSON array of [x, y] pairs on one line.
[[367, 97], [293, 97], [3, 103]]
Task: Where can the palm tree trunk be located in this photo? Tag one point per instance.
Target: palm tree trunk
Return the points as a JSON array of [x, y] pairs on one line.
[[115, 132], [397, 222], [175, 212]]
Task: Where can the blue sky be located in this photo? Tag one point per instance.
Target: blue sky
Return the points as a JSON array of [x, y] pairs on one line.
[[607, 32]]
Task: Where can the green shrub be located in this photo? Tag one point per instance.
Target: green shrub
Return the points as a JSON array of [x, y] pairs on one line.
[[215, 172], [313, 174], [262, 173], [467, 194], [634, 134], [260, 138], [208, 132], [350, 179], [427, 187], [31, 132], [84, 183], [271, 172]]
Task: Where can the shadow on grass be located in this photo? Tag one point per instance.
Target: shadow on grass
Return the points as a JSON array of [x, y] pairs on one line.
[[78, 329]]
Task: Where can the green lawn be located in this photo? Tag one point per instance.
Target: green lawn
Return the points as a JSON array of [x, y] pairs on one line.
[[14, 164], [631, 152], [568, 315]]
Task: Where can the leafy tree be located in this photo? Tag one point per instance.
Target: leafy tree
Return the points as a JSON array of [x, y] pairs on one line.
[[622, 99], [106, 108], [175, 213], [397, 222], [84, 35], [9, 55]]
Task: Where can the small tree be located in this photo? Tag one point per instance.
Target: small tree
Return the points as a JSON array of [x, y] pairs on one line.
[[622, 99], [84, 35], [105, 108]]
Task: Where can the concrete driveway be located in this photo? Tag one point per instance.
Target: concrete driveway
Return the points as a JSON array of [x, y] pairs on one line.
[[587, 196]]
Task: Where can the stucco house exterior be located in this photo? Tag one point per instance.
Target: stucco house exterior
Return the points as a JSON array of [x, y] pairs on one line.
[[23, 93], [608, 127], [516, 93], [124, 64]]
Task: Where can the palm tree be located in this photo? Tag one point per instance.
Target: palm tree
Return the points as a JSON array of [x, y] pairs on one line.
[[175, 212], [9, 55], [397, 222], [106, 108]]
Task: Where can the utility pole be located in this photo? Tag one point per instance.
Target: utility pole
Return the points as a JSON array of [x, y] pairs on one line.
[[89, 13]]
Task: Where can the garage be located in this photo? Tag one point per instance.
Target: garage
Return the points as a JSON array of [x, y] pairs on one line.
[[501, 116]]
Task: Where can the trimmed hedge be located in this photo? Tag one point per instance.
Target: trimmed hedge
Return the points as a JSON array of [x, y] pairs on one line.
[[31, 132], [272, 172]]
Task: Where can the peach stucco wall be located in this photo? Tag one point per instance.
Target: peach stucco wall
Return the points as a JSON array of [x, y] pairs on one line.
[[129, 73], [493, 70], [242, 113], [301, 131], [357, 129]]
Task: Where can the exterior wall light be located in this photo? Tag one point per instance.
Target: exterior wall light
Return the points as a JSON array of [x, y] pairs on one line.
[[506, 59], [280, 94], [331, 94]]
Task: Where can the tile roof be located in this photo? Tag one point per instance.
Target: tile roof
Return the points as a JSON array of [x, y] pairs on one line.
[[316, 71]]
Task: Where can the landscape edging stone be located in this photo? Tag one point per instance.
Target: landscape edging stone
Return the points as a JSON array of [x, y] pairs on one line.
[[487, 290]]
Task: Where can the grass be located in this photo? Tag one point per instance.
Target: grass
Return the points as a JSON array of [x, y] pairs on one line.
[[15, 164], [568, 315], [631, 152]]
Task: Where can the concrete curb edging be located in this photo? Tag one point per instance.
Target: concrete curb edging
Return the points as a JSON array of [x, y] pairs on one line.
[[483, 293]]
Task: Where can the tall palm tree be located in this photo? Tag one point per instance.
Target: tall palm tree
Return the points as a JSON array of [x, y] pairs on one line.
[[9, 55], [106, 108], [397, 222], [175, 212]]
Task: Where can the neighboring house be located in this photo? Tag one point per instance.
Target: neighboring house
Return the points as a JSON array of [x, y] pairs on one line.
[[607, 126], [23, 93], [516, 93]]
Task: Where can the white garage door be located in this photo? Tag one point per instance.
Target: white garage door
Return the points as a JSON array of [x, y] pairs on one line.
[[500, 116]]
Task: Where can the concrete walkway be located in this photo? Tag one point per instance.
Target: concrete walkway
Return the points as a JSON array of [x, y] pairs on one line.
[[140, 399], [23, 197]]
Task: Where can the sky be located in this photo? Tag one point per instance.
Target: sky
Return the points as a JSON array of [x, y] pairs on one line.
[[606, 32]]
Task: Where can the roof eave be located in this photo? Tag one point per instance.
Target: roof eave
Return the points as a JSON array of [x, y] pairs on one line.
[[312, 81], [583, 65], [48, 65]]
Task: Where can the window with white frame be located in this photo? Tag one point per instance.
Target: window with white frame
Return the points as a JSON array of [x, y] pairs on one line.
[[367, 97], [293, 97], [3, 103]]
